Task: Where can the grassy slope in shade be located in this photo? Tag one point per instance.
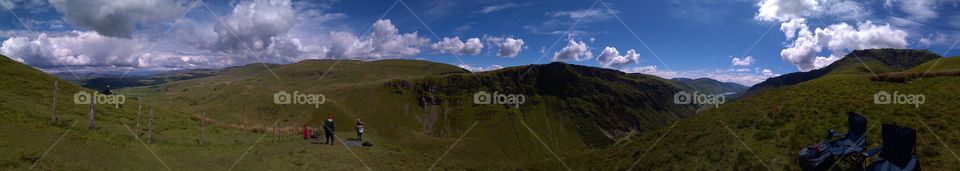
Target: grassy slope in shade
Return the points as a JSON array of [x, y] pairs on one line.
[[776, 123]]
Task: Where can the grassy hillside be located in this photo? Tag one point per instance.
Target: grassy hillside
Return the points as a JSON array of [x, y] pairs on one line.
[[776, 123], [422, 107], [30, 140], [858, 62]]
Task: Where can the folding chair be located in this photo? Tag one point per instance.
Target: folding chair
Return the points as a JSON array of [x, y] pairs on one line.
[[849, 147], [896, 153]]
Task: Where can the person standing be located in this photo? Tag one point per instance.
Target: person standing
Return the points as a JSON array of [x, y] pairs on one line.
[[328, 128], [359, 130], [306, 132]]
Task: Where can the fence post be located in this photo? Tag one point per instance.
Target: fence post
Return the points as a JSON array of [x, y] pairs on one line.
[[90, 121], [150, 127], [202, 120], [139, 107], [243, 127], [276, 132], [56, 89]]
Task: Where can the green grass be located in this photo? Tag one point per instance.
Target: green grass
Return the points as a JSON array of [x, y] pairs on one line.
[[776, 123]]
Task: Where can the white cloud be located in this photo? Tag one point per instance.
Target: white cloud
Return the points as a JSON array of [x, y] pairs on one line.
[[791, 27], [839, 39], [920, 10], [499, 7], [845, 9], [641, 69], [28, 4], [594, 14], [117, 18], [454, 46], [744, 61], [611, 58], [88, 50], [256, 25], [73, 49], [933, 39], [385, 42], [577, 51], [768, 73], [820, 61], [479, 69], [784, 10], [509, 46]]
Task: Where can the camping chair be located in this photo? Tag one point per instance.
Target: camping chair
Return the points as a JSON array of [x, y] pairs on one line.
[[849, 148], [896, 154]]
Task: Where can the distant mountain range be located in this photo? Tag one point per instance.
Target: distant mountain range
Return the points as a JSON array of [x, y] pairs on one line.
[[707, 85]]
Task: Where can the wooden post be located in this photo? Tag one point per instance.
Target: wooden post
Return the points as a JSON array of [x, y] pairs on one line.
[[139, 107], [276, 132], [90, 121], [202, 117], [150, 127], [56, 88], [243, 127]]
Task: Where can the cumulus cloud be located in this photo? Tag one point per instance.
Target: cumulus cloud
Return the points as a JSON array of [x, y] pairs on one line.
[[256, 25], [73, 49], [783, 10], [743, 61], [384, 42], [479, 69], [791, 27], [839, 39], [577, 51], [454, 46], [509, 46], [611, 58], [90, 50], [117, 18]]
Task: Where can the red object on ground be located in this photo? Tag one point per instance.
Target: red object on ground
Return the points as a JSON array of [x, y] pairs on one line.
[[306, 132]]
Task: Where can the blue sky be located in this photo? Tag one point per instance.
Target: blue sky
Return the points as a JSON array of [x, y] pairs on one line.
[[742, 41]]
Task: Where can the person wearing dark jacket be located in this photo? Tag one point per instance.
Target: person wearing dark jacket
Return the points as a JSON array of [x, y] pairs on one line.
[[328, 128]]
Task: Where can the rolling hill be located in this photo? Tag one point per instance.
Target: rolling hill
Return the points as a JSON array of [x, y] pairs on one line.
[[424, 115], [767, 129], [856, 62], [414, 112]]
